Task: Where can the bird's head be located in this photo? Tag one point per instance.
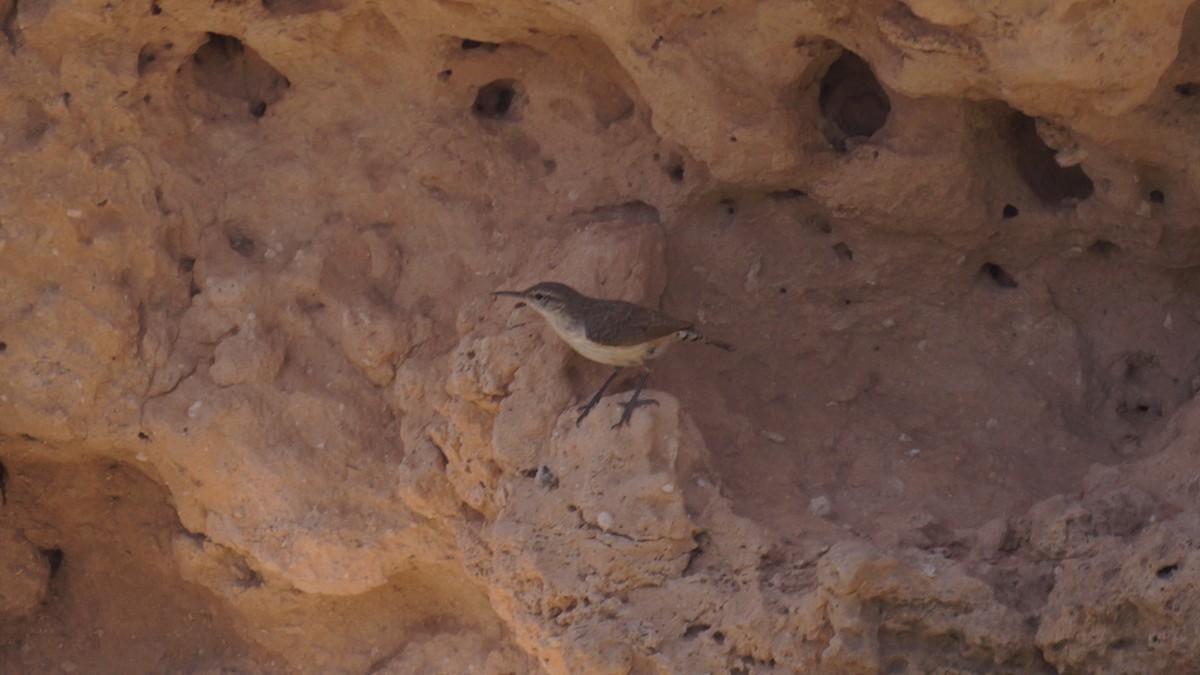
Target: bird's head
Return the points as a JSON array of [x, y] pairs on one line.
[[547, 297]]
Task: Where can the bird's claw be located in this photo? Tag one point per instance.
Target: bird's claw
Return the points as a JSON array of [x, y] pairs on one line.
[[630, 406]]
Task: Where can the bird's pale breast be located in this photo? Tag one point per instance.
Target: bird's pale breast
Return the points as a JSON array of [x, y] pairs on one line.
[[623, 355]]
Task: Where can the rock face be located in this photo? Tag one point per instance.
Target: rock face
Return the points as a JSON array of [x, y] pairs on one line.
[[260, 413]]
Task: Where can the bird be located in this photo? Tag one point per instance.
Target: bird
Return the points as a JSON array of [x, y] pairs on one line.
[[612, 332]]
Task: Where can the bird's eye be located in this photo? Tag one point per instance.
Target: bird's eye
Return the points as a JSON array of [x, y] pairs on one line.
[[539, 296]]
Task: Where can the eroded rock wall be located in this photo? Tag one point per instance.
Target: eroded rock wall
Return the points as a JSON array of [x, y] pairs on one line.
[[260, 412]]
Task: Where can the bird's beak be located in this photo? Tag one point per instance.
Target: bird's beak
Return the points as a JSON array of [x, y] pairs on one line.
[[515, 294]]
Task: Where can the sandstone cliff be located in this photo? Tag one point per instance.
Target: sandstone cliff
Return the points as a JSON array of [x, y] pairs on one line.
[[259, 412]]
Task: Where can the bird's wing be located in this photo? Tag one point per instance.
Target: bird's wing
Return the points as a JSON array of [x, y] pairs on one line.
[[620, 324]]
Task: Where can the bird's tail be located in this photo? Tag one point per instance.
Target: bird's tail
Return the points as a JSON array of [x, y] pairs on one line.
[[693, 336]]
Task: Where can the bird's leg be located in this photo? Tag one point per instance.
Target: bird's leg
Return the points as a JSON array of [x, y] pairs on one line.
[[587, 408], [634, 403]]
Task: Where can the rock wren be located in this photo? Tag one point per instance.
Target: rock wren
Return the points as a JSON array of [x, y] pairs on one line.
[[612, 332]]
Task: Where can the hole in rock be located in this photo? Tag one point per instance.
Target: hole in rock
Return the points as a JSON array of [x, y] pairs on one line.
[[243, 245], [852, 100], [1187, 88], [675, 172], [8, 26], [495, 99], [694, 630], [187, 264], [1010, 211], [3, 346], [239, 79], [468, 44], [155, 9], [790, 193], [1157, 196], [54, 556], [3, 484], [1140, 412], [843, 251], [997, 274], [1140, 365], [290, 7], [146, 58], [1104, 247], [1166, 571], [1053, 184]]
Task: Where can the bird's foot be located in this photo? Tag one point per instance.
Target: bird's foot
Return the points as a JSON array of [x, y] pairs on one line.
[[585, 409], [630, 406]]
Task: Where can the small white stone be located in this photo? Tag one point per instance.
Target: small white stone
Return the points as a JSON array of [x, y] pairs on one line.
[[573, 195], [929, 570], [752, 273], [194, 409], [820, 507], [775, 437], [604, 519], [913, 452], [668, 488], [74, 213], [545, 477], [904, 438], [141, 456], [889, 322], [1070, 156]]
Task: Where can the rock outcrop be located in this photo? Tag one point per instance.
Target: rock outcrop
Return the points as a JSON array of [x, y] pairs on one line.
[[259, 411]]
